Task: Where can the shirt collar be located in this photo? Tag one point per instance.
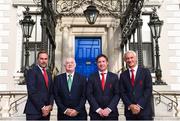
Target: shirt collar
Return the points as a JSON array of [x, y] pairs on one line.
[[135, 68], [105, 72], [41, 68], [70, 74]]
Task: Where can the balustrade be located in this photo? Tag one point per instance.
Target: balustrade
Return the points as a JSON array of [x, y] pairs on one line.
[[12, 104]]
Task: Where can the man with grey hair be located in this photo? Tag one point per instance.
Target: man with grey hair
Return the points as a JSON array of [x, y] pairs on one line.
[[136, 89], [69, 93]]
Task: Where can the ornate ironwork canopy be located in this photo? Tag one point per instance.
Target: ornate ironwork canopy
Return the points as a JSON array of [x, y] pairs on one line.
[[112, 7], [130, 17]]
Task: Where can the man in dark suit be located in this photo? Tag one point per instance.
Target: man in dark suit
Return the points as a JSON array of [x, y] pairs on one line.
[[136, 89], [40, 90], [103, 92], [69, 93]]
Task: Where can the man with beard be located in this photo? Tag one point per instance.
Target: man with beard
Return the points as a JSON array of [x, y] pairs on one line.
[[40, 90]]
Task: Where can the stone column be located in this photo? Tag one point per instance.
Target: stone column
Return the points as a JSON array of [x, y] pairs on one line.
[[66, 51], [117, 51], [58, 51], [110, 47]]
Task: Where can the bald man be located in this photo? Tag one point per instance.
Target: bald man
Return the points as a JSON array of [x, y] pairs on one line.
[[69, 93]]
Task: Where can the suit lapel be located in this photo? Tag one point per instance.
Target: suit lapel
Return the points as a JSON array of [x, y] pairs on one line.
[[107, 81], [128, 77], [138, 74], [41, 75], [64, 78], [98, 80], [49, 79], [75, 80]]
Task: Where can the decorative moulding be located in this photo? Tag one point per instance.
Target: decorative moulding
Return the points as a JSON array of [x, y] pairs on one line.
[[153, 3], [23, 2]]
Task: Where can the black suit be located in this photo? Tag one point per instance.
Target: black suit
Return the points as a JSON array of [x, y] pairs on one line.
[[140, 94], [74, 99], [38, 94], [98, 98]]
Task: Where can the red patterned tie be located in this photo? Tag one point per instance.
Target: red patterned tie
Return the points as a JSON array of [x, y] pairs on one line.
[[102, 81], [45, 76], [132, 77]]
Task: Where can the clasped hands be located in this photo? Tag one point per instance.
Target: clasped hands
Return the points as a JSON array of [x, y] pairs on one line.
[[46, 110], [135, 108], [104, 112], [71, 112]]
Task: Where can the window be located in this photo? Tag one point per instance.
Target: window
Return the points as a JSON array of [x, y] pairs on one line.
[[147, 44]]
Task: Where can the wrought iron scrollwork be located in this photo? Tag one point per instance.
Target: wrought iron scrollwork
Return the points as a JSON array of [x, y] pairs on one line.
[[112, 7], [68, 6], [129, 21], [172, 104], [157, 100]]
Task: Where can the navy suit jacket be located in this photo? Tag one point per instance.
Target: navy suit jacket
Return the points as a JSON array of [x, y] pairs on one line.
[[76, 98], [38, 94], [140, 94], [98, 98]]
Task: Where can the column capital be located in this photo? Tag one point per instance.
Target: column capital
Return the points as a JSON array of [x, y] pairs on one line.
[[110, 26], [65, 25]]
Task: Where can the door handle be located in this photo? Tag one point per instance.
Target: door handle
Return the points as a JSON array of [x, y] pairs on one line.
[[88, 62]]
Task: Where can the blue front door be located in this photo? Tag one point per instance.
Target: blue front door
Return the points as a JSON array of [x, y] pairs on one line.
[[86, 51]]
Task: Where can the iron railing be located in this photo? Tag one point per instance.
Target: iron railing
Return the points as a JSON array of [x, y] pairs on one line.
[[170, 105], [12, 95], [158, 98]]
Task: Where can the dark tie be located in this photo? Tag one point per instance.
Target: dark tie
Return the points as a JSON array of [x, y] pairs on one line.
[[45, 76], [69, 81], [132, 77], [102, 81]]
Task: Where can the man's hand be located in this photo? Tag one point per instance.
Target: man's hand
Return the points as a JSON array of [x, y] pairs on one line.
[[106, 112], [138, 109], [100, 112], [73, 113], [48, 107], [134, 108], [68, 112], [45, 111]]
